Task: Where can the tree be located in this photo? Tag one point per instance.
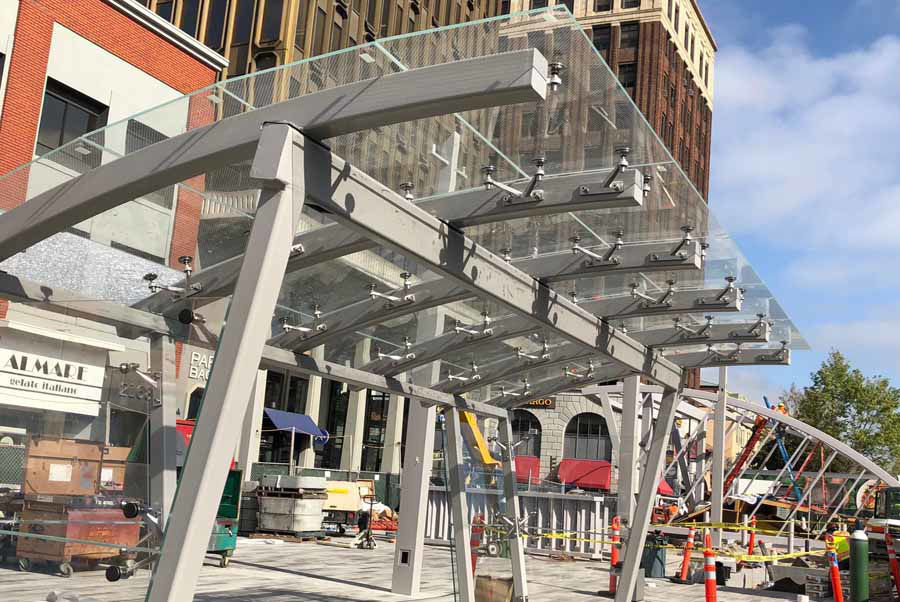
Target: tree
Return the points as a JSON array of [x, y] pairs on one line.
[[863, 412]]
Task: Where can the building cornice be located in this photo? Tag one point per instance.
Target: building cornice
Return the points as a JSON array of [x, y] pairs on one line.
[[702, 20], [170, 33]]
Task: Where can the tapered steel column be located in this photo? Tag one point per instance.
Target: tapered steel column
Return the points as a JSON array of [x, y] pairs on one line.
[[629, 452], [163, 436], [656, 456], [717, 482], [511, 496], [237, 360], [313, 404], [416, 476], [646, 424], [459, 508]]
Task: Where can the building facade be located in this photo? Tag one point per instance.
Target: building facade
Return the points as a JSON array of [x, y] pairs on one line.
[[68, 69]]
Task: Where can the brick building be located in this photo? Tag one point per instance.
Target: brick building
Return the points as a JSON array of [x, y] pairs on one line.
[[664, 55], [69, 68]]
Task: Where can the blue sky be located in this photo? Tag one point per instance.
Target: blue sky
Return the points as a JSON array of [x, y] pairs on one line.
[[805, 171]]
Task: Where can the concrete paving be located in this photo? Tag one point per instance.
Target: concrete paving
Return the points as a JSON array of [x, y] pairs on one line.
[[298, 572]]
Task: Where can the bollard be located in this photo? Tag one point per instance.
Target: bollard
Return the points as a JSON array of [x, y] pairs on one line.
[[709, 572], [752, 546], [835, 571], [614, 556], [686, 560], [791, 536], [892, 557], [859, 567]]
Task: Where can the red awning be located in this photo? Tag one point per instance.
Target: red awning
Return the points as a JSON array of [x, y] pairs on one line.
[[587, 474], [665, 488], [528, 466]]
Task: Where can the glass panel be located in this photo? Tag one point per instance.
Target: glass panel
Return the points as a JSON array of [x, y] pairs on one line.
[[215, 24], [190, 16]]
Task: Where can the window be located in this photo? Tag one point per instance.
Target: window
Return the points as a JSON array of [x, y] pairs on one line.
[[262, 86], [672, 95], [706, 74], [66, 115], [631, 3], [504, 7], [374, 430], [296, 396], [526, 427], [195, 402], [623, 115], [164, 9], [538, 4], [271, 21], [628, 35], [336, 30], [137, 136], [337, 419], [190, 17], [529, 125], [662, 127], [300, 33], [385, 16], [628, 76], [601, 37], [570, 4], [602, 6], [693, 47], [671, 9], [243, 22], [677, 14], [2, 65], [215, 24], [274, 389], [319, 32], [587, 438], [687, 38]]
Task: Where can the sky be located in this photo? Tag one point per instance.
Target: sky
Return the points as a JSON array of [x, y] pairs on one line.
[[805, 172]]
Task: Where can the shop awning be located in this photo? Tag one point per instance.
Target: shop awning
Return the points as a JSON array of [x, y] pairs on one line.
[[301, 423]]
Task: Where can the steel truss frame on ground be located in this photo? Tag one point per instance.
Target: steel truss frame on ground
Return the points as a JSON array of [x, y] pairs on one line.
[[294, 170]]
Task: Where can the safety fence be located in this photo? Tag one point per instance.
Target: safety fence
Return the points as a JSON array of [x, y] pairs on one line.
[[12, 465], [557, 523]]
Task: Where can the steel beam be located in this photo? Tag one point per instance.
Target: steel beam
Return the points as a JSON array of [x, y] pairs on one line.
[[629, 259], [716, 334], [344, 322], [471, 84], [456, 491], [777, 480], [452, 342], [557, 384], [717, 482], [602, 399], [512, 512], [511, 368], [163, 440], [234, 373], [809, 489], [733, 357], [680, 302], [844, 498], [362, 204], [637, 534], [629, 452]]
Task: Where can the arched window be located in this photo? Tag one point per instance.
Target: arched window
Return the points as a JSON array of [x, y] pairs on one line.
[[587, 438], [526, 425]]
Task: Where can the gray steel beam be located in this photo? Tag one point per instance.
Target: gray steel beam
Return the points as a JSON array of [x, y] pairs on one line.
[[717, 481], [844, 499], [550, 386], [500, 79], [809, 490], [777, 480], [237, 360], [561, 193], [359, 202], [344, 322], [637, 534], [453, 342], [684, 408], [731, 357], [284, 359], [511, 368], [602, 398], [680, 302], [163, 440], [456, 491], [629, 259], [512, 512], [629, 452], [716, 334]]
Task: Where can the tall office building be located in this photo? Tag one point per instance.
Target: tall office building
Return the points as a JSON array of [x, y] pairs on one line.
[[259, 34], [664, 55]]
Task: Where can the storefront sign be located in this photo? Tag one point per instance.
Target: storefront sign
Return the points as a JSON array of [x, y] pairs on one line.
[[30, 373], [201, 365], [546, 403]]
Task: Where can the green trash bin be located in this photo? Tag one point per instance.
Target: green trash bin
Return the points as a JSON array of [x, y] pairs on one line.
[[653, 559]]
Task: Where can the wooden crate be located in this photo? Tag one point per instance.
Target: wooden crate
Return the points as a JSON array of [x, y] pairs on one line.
[[58, 466]]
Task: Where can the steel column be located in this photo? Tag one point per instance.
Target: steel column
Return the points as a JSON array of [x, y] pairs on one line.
[[646, 425], [610, 416], [717, 482], [637, 534], [410, 547], [313, 401], [628, 452], [163, 436], [234, 372], [456, 490], [511, 497]]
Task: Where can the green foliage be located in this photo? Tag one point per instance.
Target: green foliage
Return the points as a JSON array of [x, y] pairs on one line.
[[863, 412]]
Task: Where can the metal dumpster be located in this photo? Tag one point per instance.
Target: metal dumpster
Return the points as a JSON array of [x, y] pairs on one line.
[[223, 539]]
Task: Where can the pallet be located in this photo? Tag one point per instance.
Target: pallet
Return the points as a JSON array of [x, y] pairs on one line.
[[291, 536]]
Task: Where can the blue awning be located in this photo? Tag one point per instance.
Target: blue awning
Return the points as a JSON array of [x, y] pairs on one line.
[[301, 423]]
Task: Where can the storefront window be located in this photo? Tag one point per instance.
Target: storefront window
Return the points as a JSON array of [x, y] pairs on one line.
[[337, 419], [274, 388], [587, 438], [527, 428], [373, 431], [296, 397]]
